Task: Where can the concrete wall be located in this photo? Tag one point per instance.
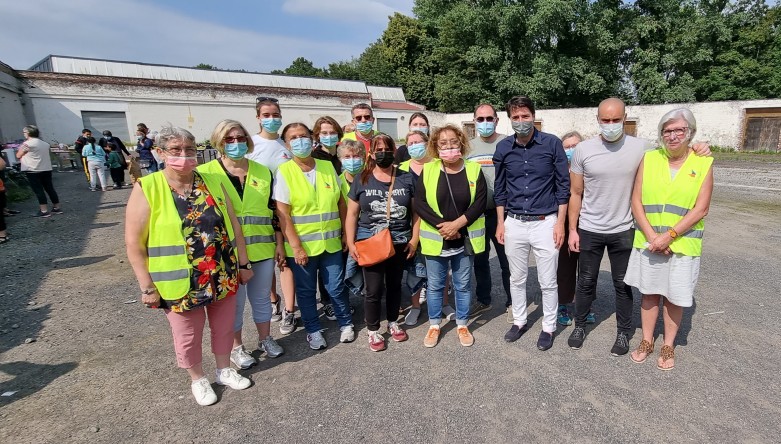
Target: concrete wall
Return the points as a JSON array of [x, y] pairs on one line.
[[720, 123], [12, 109]]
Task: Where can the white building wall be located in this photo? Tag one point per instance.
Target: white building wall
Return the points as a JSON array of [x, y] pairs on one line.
[[12, 117]]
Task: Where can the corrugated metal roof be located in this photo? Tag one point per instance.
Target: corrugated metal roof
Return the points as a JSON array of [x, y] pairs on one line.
[[77, 65], [386, 93]]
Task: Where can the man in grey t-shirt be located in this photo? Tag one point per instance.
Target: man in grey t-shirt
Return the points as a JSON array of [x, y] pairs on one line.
[[483, 148]]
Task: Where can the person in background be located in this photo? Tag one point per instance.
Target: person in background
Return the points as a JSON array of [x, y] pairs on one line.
[[363, 119], [144, 148], [108, 138], [115, 165], [270, 151], [78, 145], [3, 234], [248, 184], [327, 134], [566, 276], [350, 127], [311, 210], [483, 148], [178, 245], [417, 122], [96, 164], [35, 156], [670, 199], [450, 198]]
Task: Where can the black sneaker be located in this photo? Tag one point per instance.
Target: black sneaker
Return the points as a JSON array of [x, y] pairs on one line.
[[42, 214], [330, 314], [57, 211], [621, 346], [478, 307], [577, 337], [515, 333], [545, 341]]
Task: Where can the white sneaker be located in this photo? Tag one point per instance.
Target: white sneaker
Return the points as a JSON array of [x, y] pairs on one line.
[[422, 297], [203, 392], [241, 359], [270, 347], [412, 316], [449, 313], [316, 341], [348, 334], [230, 377]]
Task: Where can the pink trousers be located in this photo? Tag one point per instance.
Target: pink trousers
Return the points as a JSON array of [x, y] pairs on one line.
[[187, 329]]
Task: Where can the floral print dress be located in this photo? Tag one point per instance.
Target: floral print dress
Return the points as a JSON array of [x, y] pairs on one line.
[[215, 272]]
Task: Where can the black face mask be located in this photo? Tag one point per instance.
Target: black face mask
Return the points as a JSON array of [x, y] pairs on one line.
[[384, 158]]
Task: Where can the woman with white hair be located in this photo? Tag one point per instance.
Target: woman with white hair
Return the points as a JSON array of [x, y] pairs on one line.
[[670, 199]]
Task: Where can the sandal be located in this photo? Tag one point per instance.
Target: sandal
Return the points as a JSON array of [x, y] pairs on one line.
[[644, 347], [666, 354], [3, 239]]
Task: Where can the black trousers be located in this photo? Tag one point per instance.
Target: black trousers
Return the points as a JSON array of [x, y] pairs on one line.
[[566, 274], [483, 268], [384, 277], [118, 176], [41, 183], [592, 248], [2, 211]]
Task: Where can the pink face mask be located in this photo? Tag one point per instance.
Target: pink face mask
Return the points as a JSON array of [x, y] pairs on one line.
[[450, 155], [181, 164]]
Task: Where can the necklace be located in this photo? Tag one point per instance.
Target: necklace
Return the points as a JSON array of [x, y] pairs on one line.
[[184, 191]]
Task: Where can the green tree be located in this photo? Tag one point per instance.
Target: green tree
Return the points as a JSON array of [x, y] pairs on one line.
[[374, 68], [345, 70], [302, 67], [204, 66]]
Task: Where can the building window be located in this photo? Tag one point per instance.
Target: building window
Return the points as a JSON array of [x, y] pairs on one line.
[[630, 128], [469, 129], [762, 129], [389, 127], [99, 121]]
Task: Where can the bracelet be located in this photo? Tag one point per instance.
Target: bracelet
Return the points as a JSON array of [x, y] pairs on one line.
[[673, 234], [149, 291]]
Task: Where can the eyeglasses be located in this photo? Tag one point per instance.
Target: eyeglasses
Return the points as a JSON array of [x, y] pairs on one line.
[[485, 119], [367, 118], [230, 139], [678, 132], [189, 152], [447, 144], [265, 99]]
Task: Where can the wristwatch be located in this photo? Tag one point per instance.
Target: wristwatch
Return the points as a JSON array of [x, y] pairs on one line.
[[673, 234], [247, 266]]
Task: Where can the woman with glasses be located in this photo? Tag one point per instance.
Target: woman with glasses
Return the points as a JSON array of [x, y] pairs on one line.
[[417, 122], [670, 199], [311, 209], [451, 197], [382, 198], [248, 186], [177, 237]]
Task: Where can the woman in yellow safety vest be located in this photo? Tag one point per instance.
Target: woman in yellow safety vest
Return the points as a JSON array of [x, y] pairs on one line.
[[311, 210], [176, 232], [450, 198], [671, 196], [248, 185]]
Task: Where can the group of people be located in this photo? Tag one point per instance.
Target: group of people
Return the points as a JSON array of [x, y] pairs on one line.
[[202, 240]]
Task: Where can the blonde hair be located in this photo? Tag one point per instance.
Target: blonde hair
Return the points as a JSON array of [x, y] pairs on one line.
[[431, 148], [350, 146], [415, 133], [223, 128]]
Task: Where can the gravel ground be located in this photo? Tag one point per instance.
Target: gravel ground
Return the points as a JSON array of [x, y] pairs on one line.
[[101, 367]]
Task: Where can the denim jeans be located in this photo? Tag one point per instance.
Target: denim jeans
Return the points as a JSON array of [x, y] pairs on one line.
[[437, 267], [483, 267], [331, 268], [592, 248]]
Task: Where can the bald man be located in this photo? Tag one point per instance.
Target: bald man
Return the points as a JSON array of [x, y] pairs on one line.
[[600, 216]]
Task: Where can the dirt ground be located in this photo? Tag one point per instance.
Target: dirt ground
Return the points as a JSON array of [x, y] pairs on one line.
[[82, 360]]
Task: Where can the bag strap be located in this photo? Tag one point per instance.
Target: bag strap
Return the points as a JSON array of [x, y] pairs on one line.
[[390, 194], [448, 187]]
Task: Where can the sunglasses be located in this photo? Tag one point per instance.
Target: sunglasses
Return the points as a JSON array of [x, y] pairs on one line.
[[485, 119], [265, 99], [362, 118], [230, 139]]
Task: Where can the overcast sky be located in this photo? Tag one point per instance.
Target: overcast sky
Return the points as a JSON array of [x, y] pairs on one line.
[[257, 35]]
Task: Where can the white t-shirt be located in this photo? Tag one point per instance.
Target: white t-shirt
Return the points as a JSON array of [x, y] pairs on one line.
[[608, 171], [269, 153], [281, 192], [37, 158]]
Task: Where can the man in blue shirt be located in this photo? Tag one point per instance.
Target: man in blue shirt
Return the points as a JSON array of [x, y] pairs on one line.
[[531, 190]]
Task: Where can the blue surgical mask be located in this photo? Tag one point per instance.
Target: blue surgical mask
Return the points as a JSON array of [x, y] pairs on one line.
[[353, 165], [271, 124], [417, 150], [301, 147], [612, 131], [523, 128], [364, 127], [329, 140], [569, 153], [422, 129], [486, 129], [236, 150]]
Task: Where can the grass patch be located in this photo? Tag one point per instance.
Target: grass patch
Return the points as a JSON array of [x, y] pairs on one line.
[[727, 154], [15, 193]]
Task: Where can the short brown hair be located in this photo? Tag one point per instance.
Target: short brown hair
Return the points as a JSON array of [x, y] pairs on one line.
[[329, 120], [222, 129], [267, 102], [361, 106], [519, 102], [432, 149], [290, 126]]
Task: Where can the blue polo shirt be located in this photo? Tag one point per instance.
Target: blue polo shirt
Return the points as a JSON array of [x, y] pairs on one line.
[[531, 179]]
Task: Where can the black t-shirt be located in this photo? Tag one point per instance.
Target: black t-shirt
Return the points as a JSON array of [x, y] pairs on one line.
[[402, 154], [372, 198], [323, 154]]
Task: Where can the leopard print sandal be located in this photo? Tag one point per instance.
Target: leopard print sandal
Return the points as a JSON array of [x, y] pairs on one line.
[[666, 354], [644, 347]]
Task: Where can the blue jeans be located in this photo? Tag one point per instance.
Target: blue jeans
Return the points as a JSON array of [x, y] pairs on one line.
[[331, 268], [437, 267]]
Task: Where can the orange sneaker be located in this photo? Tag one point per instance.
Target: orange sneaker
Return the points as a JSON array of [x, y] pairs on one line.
[[464, 336], [432, 336]]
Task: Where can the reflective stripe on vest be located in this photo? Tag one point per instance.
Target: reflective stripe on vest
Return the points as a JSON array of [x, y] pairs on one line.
[[314, 210], [168, 264], [430, 240], [666, 200], [251, 209]]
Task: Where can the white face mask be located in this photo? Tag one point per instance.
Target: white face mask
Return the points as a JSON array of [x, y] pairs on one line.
[[612, 131]]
